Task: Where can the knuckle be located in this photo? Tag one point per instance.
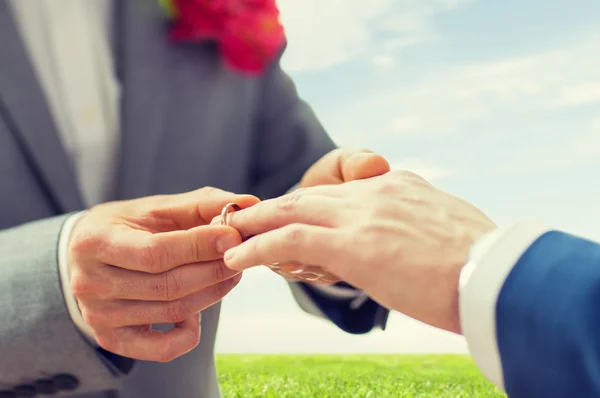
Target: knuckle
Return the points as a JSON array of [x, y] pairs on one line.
[[391, 186], [174, 287], [294, 234], [381, 212], [209, 191], [156, 212], [221, 289], [168, 286], [83, 241], [176, 311], [406, 175], [219, 270], [84, 285], [151, 256], [167, 352], [107, 341], [196, 251], [291, 201], [93, 318]]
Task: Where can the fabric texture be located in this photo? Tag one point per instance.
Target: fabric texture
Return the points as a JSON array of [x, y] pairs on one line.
[[548, 320]]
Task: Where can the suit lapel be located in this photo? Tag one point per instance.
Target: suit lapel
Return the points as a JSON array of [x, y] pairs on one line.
[[23, 105], [142, 55]]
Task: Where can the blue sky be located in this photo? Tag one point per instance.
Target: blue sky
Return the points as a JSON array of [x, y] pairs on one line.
[[495, 101]]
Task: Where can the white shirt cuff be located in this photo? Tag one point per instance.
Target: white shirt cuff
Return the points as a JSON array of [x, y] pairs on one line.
[[490, 261], [63, 268]]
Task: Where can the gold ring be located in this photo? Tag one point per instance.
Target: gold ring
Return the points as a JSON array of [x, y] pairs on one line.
[[225, 211], [313, 276]]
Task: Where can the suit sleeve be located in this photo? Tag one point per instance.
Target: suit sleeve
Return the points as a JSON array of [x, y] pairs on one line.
[[536, 293], [288, 140], [38, 339]]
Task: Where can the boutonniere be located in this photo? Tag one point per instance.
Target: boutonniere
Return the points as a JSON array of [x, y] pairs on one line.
[[248, 32]]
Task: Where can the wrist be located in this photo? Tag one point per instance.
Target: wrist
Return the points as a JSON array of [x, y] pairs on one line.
[[72, 235], [64, 266]]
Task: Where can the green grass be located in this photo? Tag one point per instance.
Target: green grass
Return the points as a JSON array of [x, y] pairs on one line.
[[345, 376]]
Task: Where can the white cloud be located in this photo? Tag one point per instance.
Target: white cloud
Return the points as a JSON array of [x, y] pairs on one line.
[[385, 62], [498, 96], [579, 94], [324, 33], [405, 124]]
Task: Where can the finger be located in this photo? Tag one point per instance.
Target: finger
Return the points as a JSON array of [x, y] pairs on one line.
[[167, 286], [327, 191], [156, 253], [143, 343], [136, 313], [361, 165], [191, 209], [306, 244], [297, 207]]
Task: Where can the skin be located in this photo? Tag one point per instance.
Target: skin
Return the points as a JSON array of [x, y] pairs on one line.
[[397, 237], [337, 167], [159, 260]]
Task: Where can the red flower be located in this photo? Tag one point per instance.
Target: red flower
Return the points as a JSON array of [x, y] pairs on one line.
[[248, 32]]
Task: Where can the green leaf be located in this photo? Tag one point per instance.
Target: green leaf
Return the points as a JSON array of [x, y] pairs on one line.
[[169, 7]]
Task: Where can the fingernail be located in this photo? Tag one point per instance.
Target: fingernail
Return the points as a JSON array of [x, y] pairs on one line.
[[229, 255], [216, 220], [226, 242]]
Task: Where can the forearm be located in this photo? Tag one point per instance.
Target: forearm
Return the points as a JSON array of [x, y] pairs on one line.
[[34, 320]]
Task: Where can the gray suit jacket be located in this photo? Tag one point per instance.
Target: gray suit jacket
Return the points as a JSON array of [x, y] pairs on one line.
[[186, 123]]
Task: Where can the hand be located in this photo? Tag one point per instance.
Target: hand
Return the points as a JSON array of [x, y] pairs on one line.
[[337, 167], [397, 237], [152, 261]]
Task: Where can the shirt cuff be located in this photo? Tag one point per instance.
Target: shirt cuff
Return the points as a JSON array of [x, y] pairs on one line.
[[490, 262], [63, 268]]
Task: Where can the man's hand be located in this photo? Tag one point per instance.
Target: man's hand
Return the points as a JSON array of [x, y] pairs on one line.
[[336, 167], [397, 237], [152, 261]]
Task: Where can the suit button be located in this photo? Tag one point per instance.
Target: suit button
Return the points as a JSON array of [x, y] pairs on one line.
[[25, 391], [65, 382], [7, 394], [44, 387]]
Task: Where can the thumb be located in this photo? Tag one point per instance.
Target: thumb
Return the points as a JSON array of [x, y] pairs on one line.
[[361, 164]]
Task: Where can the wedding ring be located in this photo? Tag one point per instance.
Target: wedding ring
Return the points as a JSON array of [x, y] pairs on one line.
[[225, 211], [312, 278], [297, 271]]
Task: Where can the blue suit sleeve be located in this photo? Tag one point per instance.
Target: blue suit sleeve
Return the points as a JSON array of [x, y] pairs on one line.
[[548, 320], [361, 320]]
